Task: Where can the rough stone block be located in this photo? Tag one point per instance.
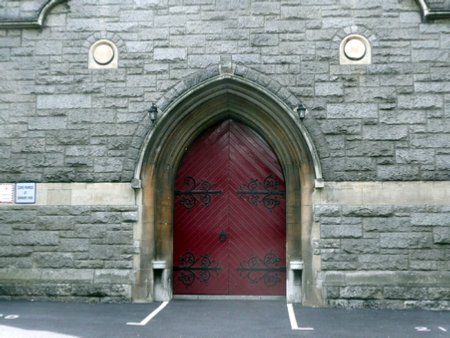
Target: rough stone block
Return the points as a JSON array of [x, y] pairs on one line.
[[423, 265], [91, 290], [33, 238], [399, 292], [73, 245], [341, 231], [355, 292], [352, 111], [114, 276], [81, 275], [367, 211], [383, 262], [344, 127], [119, 237], [105, 252], [68, 101], [385, 132], [441, 235], [439, 293], [13, 216], [358, 246], [430, 219], [397, 173], [53, 260], [53, 223]]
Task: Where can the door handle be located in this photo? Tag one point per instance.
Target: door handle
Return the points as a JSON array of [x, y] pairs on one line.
[[222, 236]]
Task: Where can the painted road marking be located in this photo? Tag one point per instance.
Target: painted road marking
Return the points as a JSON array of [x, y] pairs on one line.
[[442, 329], [293, 320], [150, 316], [422, 329], [12, 317]]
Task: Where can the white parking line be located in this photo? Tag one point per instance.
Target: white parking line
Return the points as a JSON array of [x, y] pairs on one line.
[[150, 316], [12, 317], [293, 320]]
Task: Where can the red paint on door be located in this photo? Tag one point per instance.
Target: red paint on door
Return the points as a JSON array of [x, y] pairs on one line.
[[229, 216]]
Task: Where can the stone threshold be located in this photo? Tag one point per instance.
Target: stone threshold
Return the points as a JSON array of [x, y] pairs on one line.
[[228, 297]]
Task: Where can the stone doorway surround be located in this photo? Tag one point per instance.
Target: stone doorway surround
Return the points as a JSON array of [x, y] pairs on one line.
[[222, 97]]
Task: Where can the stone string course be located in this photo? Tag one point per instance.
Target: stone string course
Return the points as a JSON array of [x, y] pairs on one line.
[[384, 256], [67, 253]]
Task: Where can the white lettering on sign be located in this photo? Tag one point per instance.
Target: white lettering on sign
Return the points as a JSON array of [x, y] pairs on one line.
[[6, 192], [25, 192]]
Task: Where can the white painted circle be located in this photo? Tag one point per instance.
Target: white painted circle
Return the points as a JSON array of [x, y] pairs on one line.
[[355, 49], [103, 54]]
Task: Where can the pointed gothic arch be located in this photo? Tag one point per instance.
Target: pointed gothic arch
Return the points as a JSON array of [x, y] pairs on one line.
[[222, 97]]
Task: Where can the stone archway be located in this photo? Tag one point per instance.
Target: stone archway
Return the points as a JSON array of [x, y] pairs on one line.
[[225, 96]]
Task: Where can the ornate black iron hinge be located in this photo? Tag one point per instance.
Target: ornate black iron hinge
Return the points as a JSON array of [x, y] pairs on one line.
[[203, 189], [250, 268], [270, 198], [206, 269]]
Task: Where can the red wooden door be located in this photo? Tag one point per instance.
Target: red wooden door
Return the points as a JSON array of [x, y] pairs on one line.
[[229, 216]]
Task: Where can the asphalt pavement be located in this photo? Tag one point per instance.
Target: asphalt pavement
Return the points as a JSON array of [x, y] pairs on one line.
[[212, 318]]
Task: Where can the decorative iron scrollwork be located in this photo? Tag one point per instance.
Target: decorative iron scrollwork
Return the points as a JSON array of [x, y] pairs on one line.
[[206, 269], [270, 199], [203, 189], [250, 268]]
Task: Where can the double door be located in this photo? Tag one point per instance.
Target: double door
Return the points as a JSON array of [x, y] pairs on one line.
[[229, 216]]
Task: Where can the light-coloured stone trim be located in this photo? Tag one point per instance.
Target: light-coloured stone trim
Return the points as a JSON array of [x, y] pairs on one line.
[[82, 194], [394, 193]]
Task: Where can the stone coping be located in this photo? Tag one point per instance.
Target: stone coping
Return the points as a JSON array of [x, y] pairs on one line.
[[387, 193]]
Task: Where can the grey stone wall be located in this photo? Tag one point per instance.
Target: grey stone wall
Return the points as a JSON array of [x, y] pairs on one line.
[[20, 10], [61, 122], [386, 121], [384, 256], [67, 252]]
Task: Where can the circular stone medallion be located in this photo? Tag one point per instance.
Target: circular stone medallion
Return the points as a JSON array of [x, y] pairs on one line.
[[355, 49], [103, 54]]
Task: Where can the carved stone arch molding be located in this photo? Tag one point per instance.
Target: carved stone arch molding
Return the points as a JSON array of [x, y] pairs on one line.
[[222, 97], [35, 22]]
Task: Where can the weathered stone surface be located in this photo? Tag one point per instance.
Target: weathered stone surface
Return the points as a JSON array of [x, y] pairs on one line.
[[53, 260], [367, 211], [441, 235], [341, 231], [361, 292], [33, 238], [383, 262], [387, 121]]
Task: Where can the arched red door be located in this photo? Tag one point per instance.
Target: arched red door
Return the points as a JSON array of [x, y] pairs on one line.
[[229, 216]]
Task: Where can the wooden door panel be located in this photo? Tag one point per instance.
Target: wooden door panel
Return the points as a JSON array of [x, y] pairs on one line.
[[235, 159], [196, 229], [258, 231]]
